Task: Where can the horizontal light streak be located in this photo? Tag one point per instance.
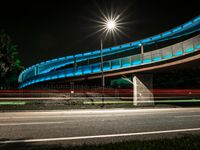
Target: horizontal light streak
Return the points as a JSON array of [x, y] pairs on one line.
[[12, 103], [130, 102], [30, 123], [127, 90], [95, 100]]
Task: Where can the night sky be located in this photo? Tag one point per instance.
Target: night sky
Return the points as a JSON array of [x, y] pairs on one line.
[[46, 30]]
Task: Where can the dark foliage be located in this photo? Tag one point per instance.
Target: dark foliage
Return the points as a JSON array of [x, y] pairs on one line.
[[10, 64]]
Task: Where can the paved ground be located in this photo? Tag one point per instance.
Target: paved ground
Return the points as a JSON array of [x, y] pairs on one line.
[[89, 126]]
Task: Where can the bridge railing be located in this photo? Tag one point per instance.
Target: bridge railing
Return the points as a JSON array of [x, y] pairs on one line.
[[165, 53]]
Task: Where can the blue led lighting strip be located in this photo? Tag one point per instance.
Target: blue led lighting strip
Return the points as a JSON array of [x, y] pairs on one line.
[[131, 61]]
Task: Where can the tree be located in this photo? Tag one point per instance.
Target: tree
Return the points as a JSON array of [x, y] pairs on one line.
[[10, 64]]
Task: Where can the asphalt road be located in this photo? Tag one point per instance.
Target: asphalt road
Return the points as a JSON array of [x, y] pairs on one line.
[[89, 126]]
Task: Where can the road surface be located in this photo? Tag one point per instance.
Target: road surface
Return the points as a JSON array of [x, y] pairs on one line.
[[90, 126]]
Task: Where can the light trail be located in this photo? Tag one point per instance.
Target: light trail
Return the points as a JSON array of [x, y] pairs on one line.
[[91, 113], [31, 123], [187, 116], [67, 98], [130, 102], [155, 91]]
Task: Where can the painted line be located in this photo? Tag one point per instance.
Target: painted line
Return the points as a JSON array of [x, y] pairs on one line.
[[99, 136], [187, 116], [30, 123]]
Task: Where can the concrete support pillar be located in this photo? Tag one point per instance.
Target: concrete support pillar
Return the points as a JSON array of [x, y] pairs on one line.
[[135, 99], [142, 86]]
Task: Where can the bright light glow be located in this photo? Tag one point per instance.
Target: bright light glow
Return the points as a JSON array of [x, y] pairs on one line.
[[110, 25]]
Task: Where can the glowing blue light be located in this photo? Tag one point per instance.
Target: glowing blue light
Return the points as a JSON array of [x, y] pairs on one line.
[[136, 62], [61, 58], [146, 40], [70, 57], [70, 74], [135, 43], [167, 56], [187, 24], [48, 78], [95, 70], [87, 70], [88, 53], [197, 19], [156, 37], [106, 68], [106, 50], [125, 45], [78, 72], [166, 33], [177, 29], [178, 53], [198, 46], [115, 48], [157, 58], [61, 75], [96, 52], [115, 66], [126, 65], [147, 61], [54, 77], [189, 50], [78, 55]]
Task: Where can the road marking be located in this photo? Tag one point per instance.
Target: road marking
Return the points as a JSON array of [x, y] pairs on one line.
[[98, 136], [30, 123], [187, 116]]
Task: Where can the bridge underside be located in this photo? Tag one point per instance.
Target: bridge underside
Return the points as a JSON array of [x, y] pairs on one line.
[[187, 62]]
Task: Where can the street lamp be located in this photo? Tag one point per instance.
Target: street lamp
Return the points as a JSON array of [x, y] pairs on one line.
[[110, 25]]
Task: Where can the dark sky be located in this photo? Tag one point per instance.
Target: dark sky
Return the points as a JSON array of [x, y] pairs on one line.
[[46, 30]]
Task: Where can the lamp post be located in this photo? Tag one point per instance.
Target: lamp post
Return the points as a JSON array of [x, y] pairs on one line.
[[141, 50], [102, 74], [109, 26]]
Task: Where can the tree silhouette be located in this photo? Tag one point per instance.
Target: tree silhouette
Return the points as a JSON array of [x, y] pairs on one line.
[[10, 64]]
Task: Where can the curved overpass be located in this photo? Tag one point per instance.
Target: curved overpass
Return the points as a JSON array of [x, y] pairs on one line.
[[48, 70]]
